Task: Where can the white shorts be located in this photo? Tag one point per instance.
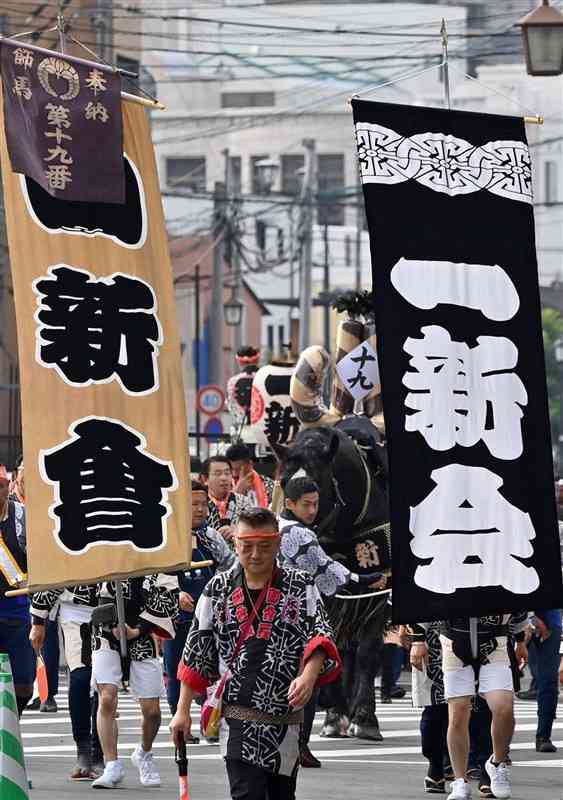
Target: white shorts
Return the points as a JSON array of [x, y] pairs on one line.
[[459, 680], [145, 678], [492, 678]]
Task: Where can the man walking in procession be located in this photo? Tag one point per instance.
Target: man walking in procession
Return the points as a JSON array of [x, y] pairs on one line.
[[475, 652], [300, 549], [267, 627], [225, 505]]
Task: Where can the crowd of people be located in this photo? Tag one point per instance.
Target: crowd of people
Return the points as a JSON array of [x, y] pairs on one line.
[[249, 635]]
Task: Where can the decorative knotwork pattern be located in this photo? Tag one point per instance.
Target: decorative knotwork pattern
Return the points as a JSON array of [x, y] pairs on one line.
[[444, 163]]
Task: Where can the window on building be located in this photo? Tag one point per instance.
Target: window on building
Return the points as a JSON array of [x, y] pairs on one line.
[[290, 178], [347, 250], [132, 65], [257, 186], [247, 99], [281, 244], [281, 338], [330, 184], [550, 181], [187, 173], [261, 235], [270, 338], [235, 175]]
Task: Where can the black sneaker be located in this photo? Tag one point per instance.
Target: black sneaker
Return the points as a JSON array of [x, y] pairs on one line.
[[545, 745], [49, 706], [34, 706], [307, 759], [530, 694], [397, 692]]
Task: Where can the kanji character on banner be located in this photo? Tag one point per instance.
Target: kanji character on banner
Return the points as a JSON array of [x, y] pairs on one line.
[[93, 330], [108, 489], [281, 423], [460, 395], [473, 535]]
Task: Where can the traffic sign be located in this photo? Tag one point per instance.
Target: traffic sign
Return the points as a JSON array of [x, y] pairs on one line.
[[213, 429], [210, 400]]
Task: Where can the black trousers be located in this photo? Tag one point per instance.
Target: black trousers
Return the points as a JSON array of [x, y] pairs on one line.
[[248, 782], [433, 731], [308, 720]]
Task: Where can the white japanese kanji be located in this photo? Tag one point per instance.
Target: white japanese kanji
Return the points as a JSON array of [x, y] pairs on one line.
[[58, 175], [461, 395], [22, 87], [473, 535], [58, 115], [96, 111], [96, 81], [61, 153], [23, 57], [483, 287]]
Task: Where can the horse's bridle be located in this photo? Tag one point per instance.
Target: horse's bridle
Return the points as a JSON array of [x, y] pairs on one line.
[[341, 503]]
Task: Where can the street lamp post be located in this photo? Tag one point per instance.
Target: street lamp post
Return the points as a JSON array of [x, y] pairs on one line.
[[542, 34], [267, 169], [559, 358], [233, 312]]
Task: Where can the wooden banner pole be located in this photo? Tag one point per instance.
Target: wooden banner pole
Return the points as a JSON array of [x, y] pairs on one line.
[[24, 590]]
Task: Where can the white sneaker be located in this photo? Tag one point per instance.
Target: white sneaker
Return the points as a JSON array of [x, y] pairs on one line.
[[111, 777], [460, 790], [500, 779], [148, 773]]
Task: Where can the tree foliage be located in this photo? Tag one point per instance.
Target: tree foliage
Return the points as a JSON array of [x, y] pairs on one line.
[[552, 324]]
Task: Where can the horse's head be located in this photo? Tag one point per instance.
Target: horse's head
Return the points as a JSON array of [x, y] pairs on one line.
[[352, 486], [310, 455]]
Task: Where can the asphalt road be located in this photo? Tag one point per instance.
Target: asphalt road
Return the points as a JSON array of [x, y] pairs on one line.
[[353, 770]]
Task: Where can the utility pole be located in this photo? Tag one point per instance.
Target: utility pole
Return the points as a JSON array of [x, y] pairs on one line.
[[326, 289], [104, 29], [234, 207], [359, 226], [216, 319], [308, 194], [197, 355]]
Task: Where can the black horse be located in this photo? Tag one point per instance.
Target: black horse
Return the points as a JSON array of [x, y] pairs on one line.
[[349, 464]]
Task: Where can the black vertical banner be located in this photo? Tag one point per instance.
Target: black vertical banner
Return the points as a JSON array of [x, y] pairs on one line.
[[449, 206]]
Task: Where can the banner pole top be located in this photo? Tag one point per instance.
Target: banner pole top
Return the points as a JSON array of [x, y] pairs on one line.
[[536, 119], [61, 25]]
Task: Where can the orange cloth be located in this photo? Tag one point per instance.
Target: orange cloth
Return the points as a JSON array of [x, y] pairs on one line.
[[250, 533]]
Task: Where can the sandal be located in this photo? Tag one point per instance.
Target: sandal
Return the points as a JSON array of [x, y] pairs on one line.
[[81, 773]]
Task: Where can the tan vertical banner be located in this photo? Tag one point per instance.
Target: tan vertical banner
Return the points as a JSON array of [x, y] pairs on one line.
[[104, 428]]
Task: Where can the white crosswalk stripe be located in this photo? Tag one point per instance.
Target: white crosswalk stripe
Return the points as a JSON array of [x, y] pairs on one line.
[[49, 736]]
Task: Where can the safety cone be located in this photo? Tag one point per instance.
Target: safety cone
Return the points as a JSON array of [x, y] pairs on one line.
[[13, 778]]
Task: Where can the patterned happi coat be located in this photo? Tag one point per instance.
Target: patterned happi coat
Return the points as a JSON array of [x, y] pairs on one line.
[[151, 603], [291, 624]]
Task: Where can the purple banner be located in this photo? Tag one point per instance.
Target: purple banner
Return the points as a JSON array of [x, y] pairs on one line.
[[63, 123]]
